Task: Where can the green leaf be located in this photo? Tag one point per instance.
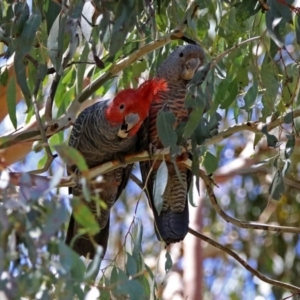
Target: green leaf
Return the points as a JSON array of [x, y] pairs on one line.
[[264, 162], [202, 132], [271, 139], [168, 263], [87, 20], [71, 261], [164, 122], [51, 11], [289, 84], [71, 157], [232, 94], [288, 118], [210, 162], [245, 10], [42, 71], [53, 221], [191, 195], [55, 42], [137, 236], [297, 29], [20, 70], [200, 75], [133, 289], [11, 101], [25, 42], [84, 217], [131, 265], [284, 10], [144, 282], [194, 119], [4, 75], [273, 16], [21, 12], [271, 86], [123, 23], [94, 266], [289, 148], [195, 171], [81, 68], [250, 97], [276, 188], [222, 91], [160, 185], [257, 138], [286, 166]]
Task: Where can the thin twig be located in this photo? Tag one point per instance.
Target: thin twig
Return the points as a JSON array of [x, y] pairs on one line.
[[256, 273], [46, 165], [50, 157], [136, 181], [69, 117], [241, 224], [217, 59], [50, 98], [32, 60], [51, 70], [164, 154], [264, 4]]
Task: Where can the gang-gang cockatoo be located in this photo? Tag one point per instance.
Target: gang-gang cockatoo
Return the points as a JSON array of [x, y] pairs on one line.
[[171, 225], [106, 131]]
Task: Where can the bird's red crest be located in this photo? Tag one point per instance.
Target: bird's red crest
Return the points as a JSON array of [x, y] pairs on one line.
[[135, 101]]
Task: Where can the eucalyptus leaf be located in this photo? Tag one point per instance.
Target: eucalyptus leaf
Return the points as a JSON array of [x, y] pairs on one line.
[[210, 162], [11, 101], [194, 119], [250, 97], [71, 261], [169, 262], [164, 122], [289, 148], [277, 187], [231, 94], [85, 217], [72, 156], [160, 185], [297, 18], [273, 20], [87, 20]]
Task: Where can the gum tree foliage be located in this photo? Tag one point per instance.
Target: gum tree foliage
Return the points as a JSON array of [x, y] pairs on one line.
[[65, 53]]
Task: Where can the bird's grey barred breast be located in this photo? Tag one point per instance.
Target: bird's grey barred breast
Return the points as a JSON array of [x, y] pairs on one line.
[[178, 69]]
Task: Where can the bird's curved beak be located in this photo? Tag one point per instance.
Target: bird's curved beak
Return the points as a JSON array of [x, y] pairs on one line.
[[129, 121], [190, 68]]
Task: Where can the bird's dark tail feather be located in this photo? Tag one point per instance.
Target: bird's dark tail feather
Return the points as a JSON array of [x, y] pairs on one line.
[[172, 227]]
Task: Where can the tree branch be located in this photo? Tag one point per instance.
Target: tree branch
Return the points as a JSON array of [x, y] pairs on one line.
[[252, 126], [241, 224], [161, 154], [217, 59], [256, 273], [69, 117]]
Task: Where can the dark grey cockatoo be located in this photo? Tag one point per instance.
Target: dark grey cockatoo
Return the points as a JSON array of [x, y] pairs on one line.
[[171, 225], [107, 131]]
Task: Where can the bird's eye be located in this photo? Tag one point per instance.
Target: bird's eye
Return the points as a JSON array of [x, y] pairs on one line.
[[122, 106], [180, 54]]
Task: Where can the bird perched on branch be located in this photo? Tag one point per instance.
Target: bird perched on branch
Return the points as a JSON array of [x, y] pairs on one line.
[[103, 132], [171, 223]]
